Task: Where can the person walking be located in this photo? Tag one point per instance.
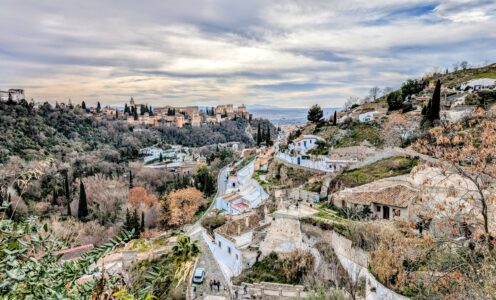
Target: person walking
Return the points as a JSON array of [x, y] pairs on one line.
[[211, 284], [245, 289]]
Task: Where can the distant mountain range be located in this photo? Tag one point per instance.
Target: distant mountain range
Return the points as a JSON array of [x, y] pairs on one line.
[[285, 116]]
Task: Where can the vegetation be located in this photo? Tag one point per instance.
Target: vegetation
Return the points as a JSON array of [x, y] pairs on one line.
[[289, 269], [388, 167], [180, 207], [35, 133], [315, 114], [359, 133], [431, 112]]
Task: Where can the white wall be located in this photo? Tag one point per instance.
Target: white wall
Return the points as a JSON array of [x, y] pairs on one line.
[[230, 263]]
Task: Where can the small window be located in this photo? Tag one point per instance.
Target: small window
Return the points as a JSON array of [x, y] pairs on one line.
[[237, 257], [229, 250], [220, 245], [378, 208]]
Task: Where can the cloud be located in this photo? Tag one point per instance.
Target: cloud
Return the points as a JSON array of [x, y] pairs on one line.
[[206, 52]]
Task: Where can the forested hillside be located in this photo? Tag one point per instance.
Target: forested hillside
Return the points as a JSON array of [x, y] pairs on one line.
[[34, 133]]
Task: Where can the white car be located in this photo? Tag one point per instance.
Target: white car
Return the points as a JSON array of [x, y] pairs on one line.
[[199, 275]]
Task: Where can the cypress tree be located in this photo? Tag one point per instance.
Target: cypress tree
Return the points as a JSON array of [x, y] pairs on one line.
[[161, 158], [335, 119], [83, 203], [67, 194], [116, 114], [259, 135], [98, 106], [130, 179], [83, 105], [135, 115], [142, 228], [127, 222], [436, 103], [150, 110], [9, 212], [126, 108], [268, 142], [136, 222], [54, 198]]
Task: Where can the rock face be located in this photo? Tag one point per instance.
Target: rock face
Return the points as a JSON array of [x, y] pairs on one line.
[[280, 174]]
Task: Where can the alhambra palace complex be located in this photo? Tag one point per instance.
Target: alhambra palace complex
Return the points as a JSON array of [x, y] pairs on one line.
[[180, 116]]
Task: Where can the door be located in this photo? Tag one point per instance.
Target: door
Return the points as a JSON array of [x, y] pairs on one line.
[[385, 212]]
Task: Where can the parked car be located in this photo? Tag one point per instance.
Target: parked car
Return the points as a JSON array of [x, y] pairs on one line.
[[199, 275]]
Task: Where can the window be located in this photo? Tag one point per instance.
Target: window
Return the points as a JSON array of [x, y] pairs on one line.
[[220, 245], [229, 250], [237, 258], [378, 208]]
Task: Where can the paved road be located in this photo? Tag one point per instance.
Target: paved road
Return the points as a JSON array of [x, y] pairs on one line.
[[207, 259], [221, 189], [213, 272]]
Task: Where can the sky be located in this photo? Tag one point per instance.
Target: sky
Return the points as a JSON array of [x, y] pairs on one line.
[[287, 53]]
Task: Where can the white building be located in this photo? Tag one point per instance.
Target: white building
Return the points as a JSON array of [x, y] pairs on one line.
[[304, 143], [366, 117], [319, 163], [230, 242], [481, 83], [243, 193]]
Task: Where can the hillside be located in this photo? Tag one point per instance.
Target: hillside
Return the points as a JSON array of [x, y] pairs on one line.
[[37, 132]]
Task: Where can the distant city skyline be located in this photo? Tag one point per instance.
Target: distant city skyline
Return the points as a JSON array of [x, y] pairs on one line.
[[280, 53]]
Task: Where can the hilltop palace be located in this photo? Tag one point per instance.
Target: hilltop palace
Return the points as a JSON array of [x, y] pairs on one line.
[[180, 116]]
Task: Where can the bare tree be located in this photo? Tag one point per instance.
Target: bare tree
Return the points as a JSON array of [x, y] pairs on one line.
[[351, 101], [464, 65], [374, 92], [456, 66], [387, 90]]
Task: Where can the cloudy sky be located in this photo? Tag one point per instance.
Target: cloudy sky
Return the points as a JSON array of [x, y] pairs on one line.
[[284, 53]]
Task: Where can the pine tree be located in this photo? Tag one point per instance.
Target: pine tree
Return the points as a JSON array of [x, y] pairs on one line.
[[83, 105], [98, 106], [335, 119], [142, 227], [83, 203], [135, 114], [67, 194], [130, 179], [259, 135]]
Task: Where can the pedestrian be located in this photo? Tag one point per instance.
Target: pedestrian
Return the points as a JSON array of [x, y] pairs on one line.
[[236, 294], [218, 285], [211, 283], [245, 289]]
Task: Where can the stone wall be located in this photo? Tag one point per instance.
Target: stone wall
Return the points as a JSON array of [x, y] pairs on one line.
[[278, 290], [354, 260]]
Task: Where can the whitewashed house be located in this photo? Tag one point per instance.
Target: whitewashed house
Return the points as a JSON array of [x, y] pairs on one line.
[[366, 117], [304, 143], [230, 242], [243, 193]]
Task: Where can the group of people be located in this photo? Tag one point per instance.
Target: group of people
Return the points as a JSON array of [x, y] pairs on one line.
[[214, 283], [245, 291]]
